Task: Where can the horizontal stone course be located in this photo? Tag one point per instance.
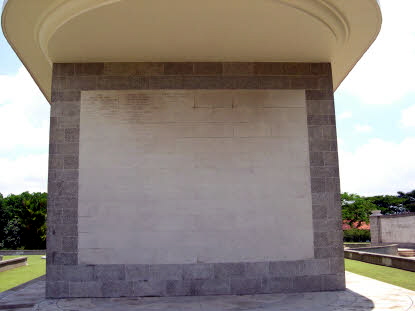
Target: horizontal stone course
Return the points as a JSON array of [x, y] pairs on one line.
[[195, 287], [69, 92], [194, 68]]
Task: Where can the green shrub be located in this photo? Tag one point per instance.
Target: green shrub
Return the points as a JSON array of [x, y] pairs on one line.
[[356, 235]]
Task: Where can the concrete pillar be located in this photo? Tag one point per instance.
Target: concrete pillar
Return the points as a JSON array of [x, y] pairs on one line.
[[375, 225]]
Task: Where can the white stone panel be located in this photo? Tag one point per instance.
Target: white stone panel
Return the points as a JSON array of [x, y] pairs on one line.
[[194, 176]]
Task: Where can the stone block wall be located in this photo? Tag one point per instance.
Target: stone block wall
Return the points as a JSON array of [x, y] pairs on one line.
[[67, 278], [393, 229]]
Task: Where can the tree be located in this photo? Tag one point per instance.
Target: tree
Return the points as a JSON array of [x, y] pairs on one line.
[[32, 217], [388, 204], [356, 209], [23, 221], [409, 200]]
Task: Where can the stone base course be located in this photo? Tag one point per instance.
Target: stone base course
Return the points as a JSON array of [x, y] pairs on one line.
[[398, 262], [65, 278], [12, 263], [193, 279]]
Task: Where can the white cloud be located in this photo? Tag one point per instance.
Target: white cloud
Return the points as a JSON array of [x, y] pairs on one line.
[[25, 173], [24, 128], [363, 128], [385, 73], [378, 167], [345, 115], [408, 117]]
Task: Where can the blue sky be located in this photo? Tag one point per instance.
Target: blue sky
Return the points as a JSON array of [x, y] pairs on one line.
[[375, 110]]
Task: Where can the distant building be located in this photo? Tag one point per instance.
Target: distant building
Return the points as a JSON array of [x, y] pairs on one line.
[[187, 136], [355, 225]]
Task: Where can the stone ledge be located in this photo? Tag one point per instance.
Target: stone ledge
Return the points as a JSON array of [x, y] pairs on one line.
[[12, 263], [381, 259], [22, 252]]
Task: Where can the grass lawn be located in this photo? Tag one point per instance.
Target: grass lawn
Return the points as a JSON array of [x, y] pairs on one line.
[[36, 266], [392, 276]]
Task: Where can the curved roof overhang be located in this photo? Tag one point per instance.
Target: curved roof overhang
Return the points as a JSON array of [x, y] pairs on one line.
[[50, 31]]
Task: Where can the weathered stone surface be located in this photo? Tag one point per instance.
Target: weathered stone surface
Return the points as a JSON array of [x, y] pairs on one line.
[[197, 279], [137, 272], [109, 272], [198, 271]]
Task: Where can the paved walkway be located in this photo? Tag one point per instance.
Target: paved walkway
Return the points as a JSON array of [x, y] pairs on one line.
[[362, 294]]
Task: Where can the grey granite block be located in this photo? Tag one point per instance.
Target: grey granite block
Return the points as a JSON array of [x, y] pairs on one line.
[[66, 202], [283, 268], [78, 273], [246, 286], [321, 239], [274, 83], [89, 68], [165, 83], [57, 289], [150, 69], [310, 83], [65, 110], [72, 135], [333, 184], [336, 265], [319, 94], [53, 243], [318, 185], [308, 283], [81, 83], [137, 272], [67, 148], [69, 244], [71, 162], [115, 83], [65, 96], [256, 270], [149, 288], [60, 258], [328, 252], [277, 284], [211, 287], [314, 267], [324, 171], [64, 230], [85, 289], [109, 272], [180, 288], [63, 69], [334, 281], [316, 158], [72, 121], [229, 270], [54, 273], [183, 68], [56, 162], [117, 289], [198, 271], [166, 272], [319, 211], [320, 68], [208, 68], [238, 68]]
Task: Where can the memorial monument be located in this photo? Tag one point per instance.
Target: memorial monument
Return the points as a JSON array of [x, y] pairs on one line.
[[193, 145]]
